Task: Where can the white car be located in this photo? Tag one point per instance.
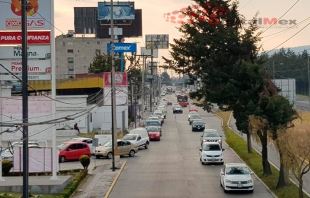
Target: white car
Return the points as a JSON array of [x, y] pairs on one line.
[[211, 152], [191, 113], [236, 177], [88, 141]]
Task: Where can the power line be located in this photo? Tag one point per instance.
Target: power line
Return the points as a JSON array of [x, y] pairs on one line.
[[281, 16]]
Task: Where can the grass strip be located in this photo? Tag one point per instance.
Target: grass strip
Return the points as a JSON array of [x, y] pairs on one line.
[[254, 161]]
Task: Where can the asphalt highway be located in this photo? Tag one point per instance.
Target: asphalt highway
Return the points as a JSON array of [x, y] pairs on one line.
[[171, 167]]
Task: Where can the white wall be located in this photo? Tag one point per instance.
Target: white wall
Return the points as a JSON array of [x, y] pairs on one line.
[[288, 88], [102, 117]]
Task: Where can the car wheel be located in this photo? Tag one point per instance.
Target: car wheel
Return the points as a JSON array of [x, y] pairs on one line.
[[109, 155], [189, 123], [131, 153], [62, 159], [146, 146], [97, 156]]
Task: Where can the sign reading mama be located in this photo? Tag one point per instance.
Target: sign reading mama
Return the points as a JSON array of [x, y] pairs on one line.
[[122, 47]]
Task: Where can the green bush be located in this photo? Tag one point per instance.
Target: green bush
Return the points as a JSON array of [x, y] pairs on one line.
[[85, 161], [6, 167], [74, 184]]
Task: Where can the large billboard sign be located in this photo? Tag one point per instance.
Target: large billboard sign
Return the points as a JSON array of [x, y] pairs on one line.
[[34, 52], [15, 38], [120, 78], [38, 14], [34, 66], [157, 41], [122, 47], [121, 11]]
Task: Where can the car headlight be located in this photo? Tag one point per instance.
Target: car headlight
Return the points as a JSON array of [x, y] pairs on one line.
[[219, 140], [250, 181], [204, 140], [228, 181]]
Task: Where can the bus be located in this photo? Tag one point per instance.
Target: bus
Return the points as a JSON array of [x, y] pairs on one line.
[[169, 90], [182, 100]]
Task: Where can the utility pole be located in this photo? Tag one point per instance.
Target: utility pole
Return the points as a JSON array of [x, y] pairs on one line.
[[151, 84], [113, 94], [273, 70], [309, 80], [24, 4], [142, 91]]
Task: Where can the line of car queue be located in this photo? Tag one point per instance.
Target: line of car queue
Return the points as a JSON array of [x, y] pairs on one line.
[[233, 176]]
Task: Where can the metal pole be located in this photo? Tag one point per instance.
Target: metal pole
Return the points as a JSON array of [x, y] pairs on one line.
[[142, 87], [135, 111], [24, 4], [151, 83], [131, 100], [113, 95], [53, 64]]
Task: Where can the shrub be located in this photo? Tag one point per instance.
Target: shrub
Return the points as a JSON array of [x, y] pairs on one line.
[[6, 167], [85, 161], [74, 184]]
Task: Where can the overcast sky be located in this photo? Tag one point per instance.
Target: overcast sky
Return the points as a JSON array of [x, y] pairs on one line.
[[154, 22]]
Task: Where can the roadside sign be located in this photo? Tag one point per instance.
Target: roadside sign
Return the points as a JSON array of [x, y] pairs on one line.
[[33, 51], [157, 41], [30, 77], [122, 47]]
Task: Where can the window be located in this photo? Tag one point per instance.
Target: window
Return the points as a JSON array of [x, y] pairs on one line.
[[80, 146], [72, 147], [70, 70], [98, 42], [70, 60], [98, 51], [70, 51]]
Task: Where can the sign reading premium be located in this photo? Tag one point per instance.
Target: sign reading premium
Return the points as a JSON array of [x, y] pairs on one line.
[[15, 38], [123, 47], [34, 52], [34, 66], [38, 15]]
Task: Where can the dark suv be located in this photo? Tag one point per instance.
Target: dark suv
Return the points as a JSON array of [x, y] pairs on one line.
[[198, 125]]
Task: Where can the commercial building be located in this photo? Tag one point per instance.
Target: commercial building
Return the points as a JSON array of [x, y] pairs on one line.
[[75, 53]]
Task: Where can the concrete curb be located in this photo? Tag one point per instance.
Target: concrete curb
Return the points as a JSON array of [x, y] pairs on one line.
[[115, 180], [268, 189]]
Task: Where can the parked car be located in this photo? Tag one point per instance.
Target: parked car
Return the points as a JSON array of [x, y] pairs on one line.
[[138, 136], [193, 117], [8, 154], [88, 141], [211, 135], [124, 147], [154, 133], [198, 125], [160, 114], [73, 151], [177, 109], [191, 113], [236, 177], [169, 102], [152, 123], [155, 118], [211, 152]]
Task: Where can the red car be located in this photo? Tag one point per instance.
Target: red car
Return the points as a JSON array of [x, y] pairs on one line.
[[154, 133], [73, 151], [193, 109]]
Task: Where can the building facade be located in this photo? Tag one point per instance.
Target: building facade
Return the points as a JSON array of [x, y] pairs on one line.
[[85, 20], [75, 53]]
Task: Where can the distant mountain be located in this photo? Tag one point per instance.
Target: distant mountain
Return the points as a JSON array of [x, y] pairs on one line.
[[297, 50]]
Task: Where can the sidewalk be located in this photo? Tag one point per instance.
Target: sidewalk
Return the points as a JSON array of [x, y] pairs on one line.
[[99, 182]]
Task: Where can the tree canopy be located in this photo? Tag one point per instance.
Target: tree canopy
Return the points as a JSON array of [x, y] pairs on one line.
[[102, 62]]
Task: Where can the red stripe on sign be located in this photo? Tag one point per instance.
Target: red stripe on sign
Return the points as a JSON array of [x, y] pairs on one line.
[[13, 38]]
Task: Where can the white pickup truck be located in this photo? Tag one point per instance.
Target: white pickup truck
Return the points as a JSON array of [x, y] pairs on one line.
[[138, 136]]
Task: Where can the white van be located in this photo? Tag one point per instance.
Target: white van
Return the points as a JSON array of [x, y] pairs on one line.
[[138, 136]]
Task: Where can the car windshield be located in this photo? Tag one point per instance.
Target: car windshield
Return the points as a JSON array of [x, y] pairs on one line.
[[152, 123], [211, 134], [195, 117], [152, 129], [237, 170], [212, 147], [154, 118], [158, 114], [198, 123], [129, 137], [62, 146], [107, 144]]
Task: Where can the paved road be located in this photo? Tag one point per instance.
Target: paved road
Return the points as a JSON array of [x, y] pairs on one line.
[[302, 103], [273, 155], [171, 167]]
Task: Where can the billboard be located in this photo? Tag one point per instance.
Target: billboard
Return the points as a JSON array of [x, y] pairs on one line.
[[15, 38], [121, 11], [34, 66], [148, 52], [131, 28], [38, 14], [30, 77], [34, 52], [157, 41], [120, 78], [122, 47]]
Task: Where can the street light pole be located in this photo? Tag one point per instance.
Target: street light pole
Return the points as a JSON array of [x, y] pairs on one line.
[[24, 4]]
